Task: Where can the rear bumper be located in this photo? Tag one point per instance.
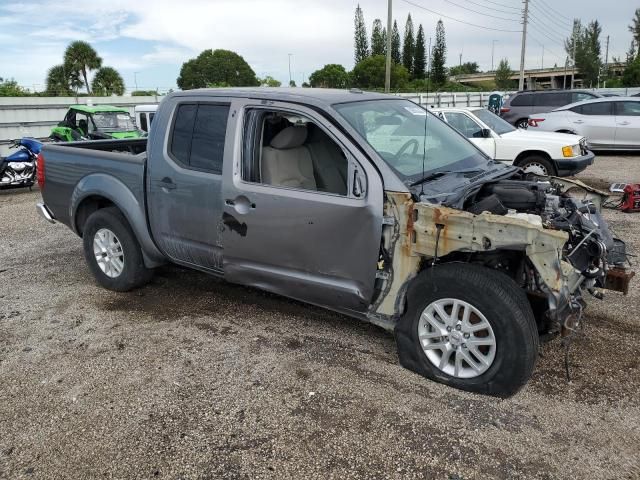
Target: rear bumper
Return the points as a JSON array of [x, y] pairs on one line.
[[45, 212], [570, 166]]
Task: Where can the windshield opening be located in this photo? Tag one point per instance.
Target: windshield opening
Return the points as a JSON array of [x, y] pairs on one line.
[[113, 121], [494, 122], [396, 131]]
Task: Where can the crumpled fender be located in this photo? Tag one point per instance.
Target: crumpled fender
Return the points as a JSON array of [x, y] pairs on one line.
[[417, 230]]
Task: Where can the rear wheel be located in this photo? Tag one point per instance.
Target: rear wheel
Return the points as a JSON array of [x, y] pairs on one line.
[[537, 164], [522, 123], [469, 327], [112, 251]]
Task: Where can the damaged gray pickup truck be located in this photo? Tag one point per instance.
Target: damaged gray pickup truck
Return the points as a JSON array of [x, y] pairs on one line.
[[361, 203]]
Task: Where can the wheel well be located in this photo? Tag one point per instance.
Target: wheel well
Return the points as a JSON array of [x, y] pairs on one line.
[[89, 205], [529, 153]]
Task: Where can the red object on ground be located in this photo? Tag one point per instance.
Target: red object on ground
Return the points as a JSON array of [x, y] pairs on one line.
[[631, 198]]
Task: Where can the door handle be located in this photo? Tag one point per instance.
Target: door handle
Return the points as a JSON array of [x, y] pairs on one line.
[[579, 121], [624, 123], [167, 183], [240, 204]]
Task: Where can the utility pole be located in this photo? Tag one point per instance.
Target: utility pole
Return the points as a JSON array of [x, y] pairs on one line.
[[461, 59], [542, 64], [564, 77], [135, 79], [525, 21], [493, 47], [387, 73], [573, 62], [290, 55]]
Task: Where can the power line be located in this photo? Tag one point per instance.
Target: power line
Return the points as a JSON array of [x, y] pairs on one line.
[[546, 33], [459, 21], [547, 50], [503, 5], [555, 11], [559, 23], [482, 13]]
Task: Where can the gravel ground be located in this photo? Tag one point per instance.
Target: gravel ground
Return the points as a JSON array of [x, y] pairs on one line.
[[194, 378]]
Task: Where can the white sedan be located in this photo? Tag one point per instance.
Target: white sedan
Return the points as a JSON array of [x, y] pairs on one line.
[[610, 123], [543, 153]]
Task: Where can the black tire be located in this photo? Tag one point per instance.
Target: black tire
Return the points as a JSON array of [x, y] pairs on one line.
[[505, 307], [134, 273], [522, 123], [540, 161]]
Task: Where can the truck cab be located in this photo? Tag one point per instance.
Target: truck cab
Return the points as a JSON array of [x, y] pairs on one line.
[[362, 203]]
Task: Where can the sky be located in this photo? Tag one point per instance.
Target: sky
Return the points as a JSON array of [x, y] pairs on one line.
[[147, 41]]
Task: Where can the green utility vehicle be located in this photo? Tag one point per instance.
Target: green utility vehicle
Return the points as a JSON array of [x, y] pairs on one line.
[[89, 122]]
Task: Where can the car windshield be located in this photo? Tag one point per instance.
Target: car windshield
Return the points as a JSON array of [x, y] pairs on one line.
[[494, 122], [396, 131], [113, 121]]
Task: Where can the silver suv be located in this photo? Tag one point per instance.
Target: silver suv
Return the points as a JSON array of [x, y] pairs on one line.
[[520, 105]]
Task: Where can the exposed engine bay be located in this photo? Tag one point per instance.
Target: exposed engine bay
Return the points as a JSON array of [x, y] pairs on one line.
[[546, 233]]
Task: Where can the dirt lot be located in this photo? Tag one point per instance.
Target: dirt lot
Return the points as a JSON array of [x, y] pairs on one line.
[[194, 378]]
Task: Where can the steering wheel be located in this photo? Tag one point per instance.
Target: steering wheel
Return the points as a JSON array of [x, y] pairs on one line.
[[406, 146]]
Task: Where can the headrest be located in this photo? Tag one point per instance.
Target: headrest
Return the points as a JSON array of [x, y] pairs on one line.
[[290, 137]]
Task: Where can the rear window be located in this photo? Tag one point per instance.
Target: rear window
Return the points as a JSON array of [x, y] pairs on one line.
[[555, 99], [197, 139], [523, 100], [579, 96], [598, 108]]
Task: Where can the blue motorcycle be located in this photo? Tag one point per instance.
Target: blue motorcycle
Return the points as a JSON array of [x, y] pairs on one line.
[[19, 169]]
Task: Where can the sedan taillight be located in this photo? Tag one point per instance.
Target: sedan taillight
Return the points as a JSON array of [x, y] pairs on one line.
[[535, 122]]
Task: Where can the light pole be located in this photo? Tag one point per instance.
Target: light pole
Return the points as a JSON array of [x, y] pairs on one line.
[[493, 48], [387, 72], [290, 79], [135, 79]]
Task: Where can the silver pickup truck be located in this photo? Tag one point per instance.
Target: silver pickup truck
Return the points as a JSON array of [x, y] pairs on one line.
[[358, 202]]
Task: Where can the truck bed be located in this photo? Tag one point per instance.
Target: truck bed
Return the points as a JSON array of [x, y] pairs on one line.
[[71, 167]]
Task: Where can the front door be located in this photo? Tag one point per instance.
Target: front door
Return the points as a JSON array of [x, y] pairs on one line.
[[185, 183], [473, 131], [302, 212], [627, 124]]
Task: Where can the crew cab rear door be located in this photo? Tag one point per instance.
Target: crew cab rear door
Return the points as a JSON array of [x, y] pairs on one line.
[[184, 181], [318, 243]]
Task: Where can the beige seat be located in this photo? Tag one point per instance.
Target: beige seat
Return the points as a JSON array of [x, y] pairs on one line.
[[287, 162], [329, 163]]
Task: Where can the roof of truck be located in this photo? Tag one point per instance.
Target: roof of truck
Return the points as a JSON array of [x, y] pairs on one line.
[[327, 96], [98, 108]]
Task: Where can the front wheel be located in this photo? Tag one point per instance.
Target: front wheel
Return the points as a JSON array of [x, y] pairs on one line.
[[469, 327], [538, 165], [113, 252]]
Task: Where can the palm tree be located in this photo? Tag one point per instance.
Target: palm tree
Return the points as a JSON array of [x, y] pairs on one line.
[[80, 57], [58, 82], [107, 81]]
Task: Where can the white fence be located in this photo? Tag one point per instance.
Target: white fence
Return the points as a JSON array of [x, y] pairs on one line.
[[35, 116]]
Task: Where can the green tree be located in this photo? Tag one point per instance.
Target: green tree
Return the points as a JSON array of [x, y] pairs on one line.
[[464, 69], [409, 45], [634, 28], [439, 57], [216, 68], [330, 76], [584, 46], [107, 82], [503, 74], [269, 81], [631, 75], [58, 82], [360, 40], [369, 73], [144, 93], [292, 83], [79, 59], [378, 38], [419, 55], [395, 44], [10, 88]]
